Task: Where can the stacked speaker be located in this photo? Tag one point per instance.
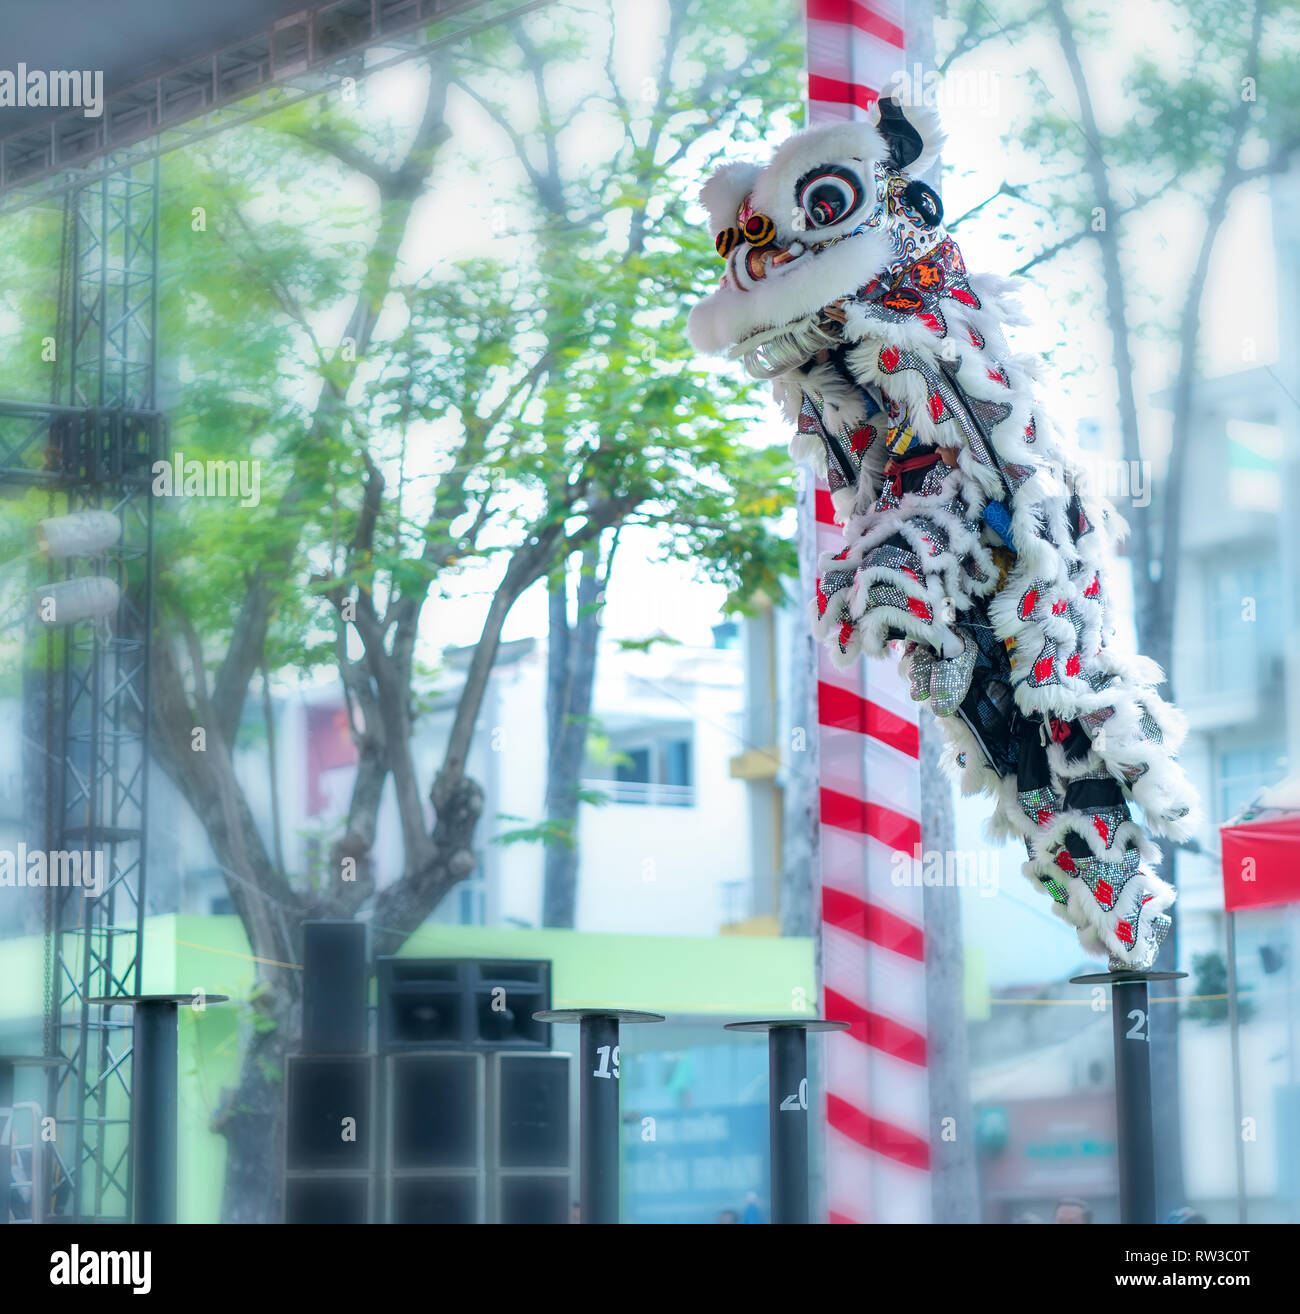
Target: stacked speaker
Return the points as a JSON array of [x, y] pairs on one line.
[[458, 1036], [463, 1116], [330, 1133]]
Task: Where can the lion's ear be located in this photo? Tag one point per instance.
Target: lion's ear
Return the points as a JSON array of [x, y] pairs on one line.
[[903, 140], [722, 194], [911, 133]]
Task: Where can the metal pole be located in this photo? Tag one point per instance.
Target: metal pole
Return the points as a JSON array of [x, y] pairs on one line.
[[599, 1062], [154, 1099], [1234, 1041], [154, 1121], [599, 1119], [1130, 1017], [787, 1068], [1131, 1023], [787, 1109]]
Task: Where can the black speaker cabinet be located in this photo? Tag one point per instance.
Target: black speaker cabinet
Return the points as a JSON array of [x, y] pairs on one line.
[[445, 1198], [529, 1159], [435, 1112], [329, 1127], [435, 1134], [322, 1198], [530, 1105], [462, 1003], [533, 1200], [335, 984]]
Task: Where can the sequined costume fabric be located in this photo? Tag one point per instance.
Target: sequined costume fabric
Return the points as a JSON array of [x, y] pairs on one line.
[[1063, 729]]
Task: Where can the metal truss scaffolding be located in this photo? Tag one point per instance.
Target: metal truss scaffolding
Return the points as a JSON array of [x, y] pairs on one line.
[[96, 451], [102, 796]]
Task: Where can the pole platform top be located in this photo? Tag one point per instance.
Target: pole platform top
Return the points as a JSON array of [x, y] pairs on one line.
[[1124, 978], [789, 1024], [582, 1014], [187, 998]]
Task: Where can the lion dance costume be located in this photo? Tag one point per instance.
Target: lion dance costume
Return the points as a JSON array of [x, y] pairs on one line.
[[970, 536]]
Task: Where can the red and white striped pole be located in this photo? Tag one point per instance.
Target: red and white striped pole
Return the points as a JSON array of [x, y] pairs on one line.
[[872, 938]]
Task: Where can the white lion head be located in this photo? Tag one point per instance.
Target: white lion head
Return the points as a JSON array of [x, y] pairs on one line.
[[836, 209]]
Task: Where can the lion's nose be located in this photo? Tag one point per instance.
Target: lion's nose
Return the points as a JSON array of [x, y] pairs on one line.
[[759, 229]]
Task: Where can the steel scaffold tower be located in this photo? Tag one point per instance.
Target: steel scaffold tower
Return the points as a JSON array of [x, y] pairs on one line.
[[100, 796]]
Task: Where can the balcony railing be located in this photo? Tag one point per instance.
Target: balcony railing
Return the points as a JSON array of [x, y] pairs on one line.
[[640, 793]]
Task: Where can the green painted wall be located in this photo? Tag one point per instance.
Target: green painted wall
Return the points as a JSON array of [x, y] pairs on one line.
[[728, 976]]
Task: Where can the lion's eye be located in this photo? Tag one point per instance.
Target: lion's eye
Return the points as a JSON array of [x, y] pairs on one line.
[[828, 195]]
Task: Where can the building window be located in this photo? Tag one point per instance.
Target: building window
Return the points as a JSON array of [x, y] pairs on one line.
[[634, 767], [1242, 625], [1242, 772], [652, 770], [470, 899], [676, 762]]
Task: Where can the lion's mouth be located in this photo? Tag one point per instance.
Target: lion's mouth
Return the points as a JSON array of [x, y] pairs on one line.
[[748, 266]]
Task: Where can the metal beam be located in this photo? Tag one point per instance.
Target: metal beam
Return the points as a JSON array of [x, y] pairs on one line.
[[299, 57]]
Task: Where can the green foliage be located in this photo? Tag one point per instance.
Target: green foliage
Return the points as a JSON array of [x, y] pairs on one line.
[[553, 834], [540, 383], [547, 379], [1166, 113], [1210, 988]]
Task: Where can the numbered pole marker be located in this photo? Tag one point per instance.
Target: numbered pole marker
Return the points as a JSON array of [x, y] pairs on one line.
[[599, 1068], [1131, 1026], [787, 1099]]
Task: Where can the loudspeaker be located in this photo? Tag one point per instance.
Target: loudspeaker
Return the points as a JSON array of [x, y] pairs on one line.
[[334, 988], [442, 1199], [420, 1003], [329, 1124], [435, 1137], [462, 1003], [435, 1112], [326, 1199], [505, 995], [529, 1151], [537, 1200], [531, 1108]]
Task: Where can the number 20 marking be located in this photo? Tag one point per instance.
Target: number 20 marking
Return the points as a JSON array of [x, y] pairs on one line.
[[799, 1100]]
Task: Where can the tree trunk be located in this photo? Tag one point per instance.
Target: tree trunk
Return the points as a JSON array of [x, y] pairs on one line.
[[570, 680], [954, 1186], [252, 1119]]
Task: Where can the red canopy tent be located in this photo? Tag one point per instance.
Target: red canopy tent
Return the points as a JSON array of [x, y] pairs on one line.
[[1261, 851]]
